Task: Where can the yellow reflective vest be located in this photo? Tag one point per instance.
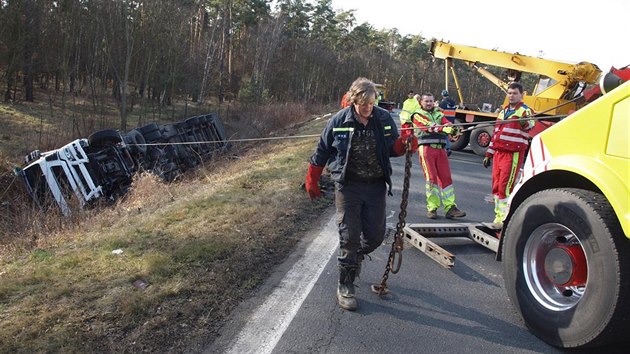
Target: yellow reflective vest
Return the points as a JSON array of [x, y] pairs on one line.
[[409, 106]]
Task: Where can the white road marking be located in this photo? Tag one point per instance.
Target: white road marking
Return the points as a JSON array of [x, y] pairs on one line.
[[267, 324]]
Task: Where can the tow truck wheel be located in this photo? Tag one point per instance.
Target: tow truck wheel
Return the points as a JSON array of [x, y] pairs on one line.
[[461, 141], [566, 264], [480, 139]]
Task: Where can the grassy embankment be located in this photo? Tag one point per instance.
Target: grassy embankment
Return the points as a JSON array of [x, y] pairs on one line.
[[191, 250]]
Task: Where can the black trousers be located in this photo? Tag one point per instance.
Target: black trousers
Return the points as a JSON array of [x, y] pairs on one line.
[[360, 218]]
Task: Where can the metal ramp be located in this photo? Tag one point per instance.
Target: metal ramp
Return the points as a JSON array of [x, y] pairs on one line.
[[418, 235]]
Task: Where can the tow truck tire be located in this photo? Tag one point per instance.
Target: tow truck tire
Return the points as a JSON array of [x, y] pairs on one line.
[[103, 138], [566, 267], [480, 139], [462, 141]]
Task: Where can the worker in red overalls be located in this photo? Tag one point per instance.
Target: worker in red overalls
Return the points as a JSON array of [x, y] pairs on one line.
[[507, 149], [434, 130]]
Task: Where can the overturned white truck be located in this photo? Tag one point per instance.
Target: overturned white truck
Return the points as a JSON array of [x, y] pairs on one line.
[[103, 165]]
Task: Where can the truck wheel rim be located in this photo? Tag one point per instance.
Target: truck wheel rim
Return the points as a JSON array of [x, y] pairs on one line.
[[555, 267], [483, 139]]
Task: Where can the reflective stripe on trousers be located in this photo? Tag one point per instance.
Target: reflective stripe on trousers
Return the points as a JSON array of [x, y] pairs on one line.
[[505, 169], [437, 174]]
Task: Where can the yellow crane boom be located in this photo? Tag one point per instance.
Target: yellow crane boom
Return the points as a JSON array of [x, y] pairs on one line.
[[557, 83]]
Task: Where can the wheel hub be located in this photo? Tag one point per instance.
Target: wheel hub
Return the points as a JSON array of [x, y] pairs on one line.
[[566, 265], [484, 139], [555, 267]]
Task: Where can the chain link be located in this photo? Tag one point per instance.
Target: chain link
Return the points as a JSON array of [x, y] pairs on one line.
[[397, 244]]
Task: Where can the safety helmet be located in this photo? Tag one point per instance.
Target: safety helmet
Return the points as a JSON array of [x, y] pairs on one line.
[[445, 93]]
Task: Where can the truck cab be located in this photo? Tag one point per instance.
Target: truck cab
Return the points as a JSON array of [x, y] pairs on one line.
[[79, 172], [565, 245]]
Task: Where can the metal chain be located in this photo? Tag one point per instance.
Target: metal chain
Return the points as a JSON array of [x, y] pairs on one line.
[[397, 244]]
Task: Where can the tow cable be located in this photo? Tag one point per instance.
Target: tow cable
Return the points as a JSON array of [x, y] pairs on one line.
[[397, 245], [537, 116]]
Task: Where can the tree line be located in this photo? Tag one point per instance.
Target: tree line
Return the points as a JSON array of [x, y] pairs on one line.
[[152, 51]]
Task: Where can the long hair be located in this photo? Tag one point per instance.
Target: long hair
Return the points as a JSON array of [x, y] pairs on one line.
[[361, 91]]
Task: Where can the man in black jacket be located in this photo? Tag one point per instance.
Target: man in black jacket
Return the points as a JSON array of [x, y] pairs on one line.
[[356, 144]]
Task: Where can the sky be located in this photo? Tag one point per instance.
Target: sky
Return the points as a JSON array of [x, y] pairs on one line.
[[563, 30]]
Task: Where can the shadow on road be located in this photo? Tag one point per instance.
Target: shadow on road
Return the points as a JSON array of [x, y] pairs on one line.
[[450, 317]]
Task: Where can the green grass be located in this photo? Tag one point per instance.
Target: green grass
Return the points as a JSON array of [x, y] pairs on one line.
[[202, 244]]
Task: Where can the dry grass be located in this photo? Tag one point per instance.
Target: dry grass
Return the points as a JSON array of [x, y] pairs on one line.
[[202, 244]]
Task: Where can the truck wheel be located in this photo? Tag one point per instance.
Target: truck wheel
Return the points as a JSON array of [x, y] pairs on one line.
[[137, 139], [151, 127], [151, 132], [104, 138], [566, 262], [461, 141], [480, 139]]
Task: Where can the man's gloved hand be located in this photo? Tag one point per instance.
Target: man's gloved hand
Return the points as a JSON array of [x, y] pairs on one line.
[[487, 161], [447, 129], [312, 181], [400, 147], [414, 144], [406, 131], [527, 124], [448, 152]]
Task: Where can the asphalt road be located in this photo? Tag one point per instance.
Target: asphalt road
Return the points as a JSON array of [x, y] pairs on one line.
[[430, 309]]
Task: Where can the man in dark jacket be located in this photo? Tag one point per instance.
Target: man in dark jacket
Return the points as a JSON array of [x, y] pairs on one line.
[[356, 144], [447, 102]]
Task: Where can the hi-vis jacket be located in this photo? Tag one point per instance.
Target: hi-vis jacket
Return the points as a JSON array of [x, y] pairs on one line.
[[512, 136], [409, 106], [334, 143], [430, 124]]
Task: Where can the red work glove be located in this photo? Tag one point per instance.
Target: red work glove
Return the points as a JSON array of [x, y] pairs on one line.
[[400, 147], [312, 181], [406, 131]]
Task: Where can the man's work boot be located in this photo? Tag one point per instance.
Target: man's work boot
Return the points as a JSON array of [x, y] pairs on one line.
[[432, 214], [345, 288], [453, 212]]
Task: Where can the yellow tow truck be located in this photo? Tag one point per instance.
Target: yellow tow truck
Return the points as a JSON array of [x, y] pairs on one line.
[[565, 244], [557, 86]]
